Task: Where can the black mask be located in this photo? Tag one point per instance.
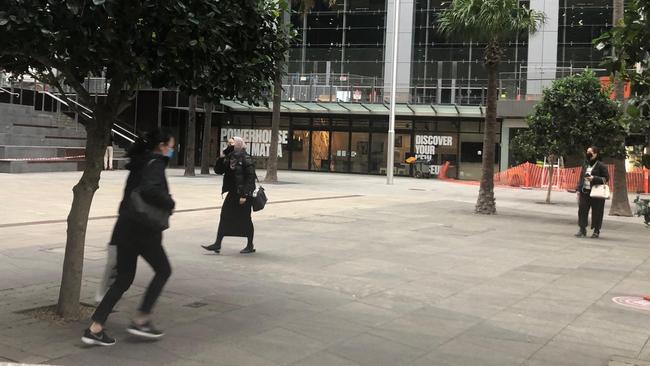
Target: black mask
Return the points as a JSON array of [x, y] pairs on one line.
[[228, 150], [590, 156]]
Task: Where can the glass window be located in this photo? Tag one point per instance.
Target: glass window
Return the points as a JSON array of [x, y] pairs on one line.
[[340, 161], [378, 153], [320, 144], [300, 150], [469, 126], [359, 152]]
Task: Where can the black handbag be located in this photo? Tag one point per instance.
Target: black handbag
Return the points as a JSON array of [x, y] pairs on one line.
[[259, 198], [152, 217]]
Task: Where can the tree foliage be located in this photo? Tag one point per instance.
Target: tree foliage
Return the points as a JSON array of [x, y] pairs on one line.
[[627, 46], [489, 21], [574, 113], [215, 48]]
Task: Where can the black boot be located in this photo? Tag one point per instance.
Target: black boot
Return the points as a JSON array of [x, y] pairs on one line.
[[249, 249], [582, 233], [213, 248], [596, 234]]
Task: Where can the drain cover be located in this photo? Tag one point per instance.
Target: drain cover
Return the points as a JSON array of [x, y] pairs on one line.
[[634, 302]]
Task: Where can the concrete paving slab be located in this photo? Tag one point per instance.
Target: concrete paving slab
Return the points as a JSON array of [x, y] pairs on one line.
[[402, 274]]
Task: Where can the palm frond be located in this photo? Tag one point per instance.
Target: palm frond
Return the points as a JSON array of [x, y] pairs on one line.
[[488, 20]]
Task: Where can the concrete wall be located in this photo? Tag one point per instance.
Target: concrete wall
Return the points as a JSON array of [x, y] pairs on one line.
[[542, 48]]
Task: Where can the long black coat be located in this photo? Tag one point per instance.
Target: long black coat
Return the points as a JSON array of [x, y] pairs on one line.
[[599, 172], [235, 218], [241, 179]]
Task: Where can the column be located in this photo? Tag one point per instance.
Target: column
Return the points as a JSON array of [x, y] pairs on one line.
[[404, 52], [542, 48]]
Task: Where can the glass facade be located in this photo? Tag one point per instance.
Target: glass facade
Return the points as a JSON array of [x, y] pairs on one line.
[[358, 144], [339, 56], [451, 70], [340, 53], [344, 38], [580, 21]]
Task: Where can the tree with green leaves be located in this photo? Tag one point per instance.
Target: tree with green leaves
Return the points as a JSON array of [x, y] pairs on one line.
[[250, 44], [272, 163], [627, 46], [493, 23], [620, 205], [61, 43], [574, 113]]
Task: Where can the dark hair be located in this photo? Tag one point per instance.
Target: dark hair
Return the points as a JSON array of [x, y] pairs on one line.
[[149, 141], [595, 149]]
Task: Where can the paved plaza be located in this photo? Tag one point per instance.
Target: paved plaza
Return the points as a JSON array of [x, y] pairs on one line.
[[348, 271]]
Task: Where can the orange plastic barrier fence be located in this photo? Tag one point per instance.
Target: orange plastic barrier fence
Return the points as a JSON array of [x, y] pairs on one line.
[[443, 170], [528, 175]]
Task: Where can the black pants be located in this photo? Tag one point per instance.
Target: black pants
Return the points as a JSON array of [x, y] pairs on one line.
[[132, 242], [597, 206]]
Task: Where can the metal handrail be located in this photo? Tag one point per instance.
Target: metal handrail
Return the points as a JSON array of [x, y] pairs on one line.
[[3, 90], [133, 135], [130, 139]]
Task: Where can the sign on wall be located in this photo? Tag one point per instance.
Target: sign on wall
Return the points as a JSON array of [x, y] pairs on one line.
[[425, 148], [258, 141]]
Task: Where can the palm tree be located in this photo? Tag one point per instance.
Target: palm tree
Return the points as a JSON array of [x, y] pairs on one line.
[[492, 22], [620, 201], [272, 163]]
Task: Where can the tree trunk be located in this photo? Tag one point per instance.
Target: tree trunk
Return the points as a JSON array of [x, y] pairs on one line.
[[207, 133], [620, 200], [486, 203], [550, 180], [272, 163], [83, 193], [190, 138]]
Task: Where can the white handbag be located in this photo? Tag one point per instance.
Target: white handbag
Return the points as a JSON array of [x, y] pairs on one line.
[[600, 191]]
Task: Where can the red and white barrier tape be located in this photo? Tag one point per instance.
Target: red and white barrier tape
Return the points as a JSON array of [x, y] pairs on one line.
[[62, 158]]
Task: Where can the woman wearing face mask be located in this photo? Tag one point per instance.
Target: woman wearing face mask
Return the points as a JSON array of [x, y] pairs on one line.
[[148, 160], [239, 182], [594, 173]]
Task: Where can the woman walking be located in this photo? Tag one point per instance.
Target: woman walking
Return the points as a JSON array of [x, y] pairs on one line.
[[594, 172], [148, 160], [239, 182]]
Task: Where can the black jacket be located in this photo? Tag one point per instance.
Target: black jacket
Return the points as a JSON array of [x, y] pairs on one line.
[[599, 172], [240, 180], [148, 173]]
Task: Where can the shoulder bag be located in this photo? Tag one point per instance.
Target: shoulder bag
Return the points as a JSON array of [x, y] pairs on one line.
[[600, 191], [259, 197]]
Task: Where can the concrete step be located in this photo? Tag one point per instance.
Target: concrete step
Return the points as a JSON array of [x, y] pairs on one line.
[[28, 140], [9, 166], [44, 166], [21, 152], [43, 130]]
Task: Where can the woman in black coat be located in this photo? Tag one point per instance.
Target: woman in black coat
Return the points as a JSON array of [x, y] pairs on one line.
[[148, 160], [594, 172], [238, 170]]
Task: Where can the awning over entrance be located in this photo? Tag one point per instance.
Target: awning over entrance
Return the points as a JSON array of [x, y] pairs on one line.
[[362, 108]]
